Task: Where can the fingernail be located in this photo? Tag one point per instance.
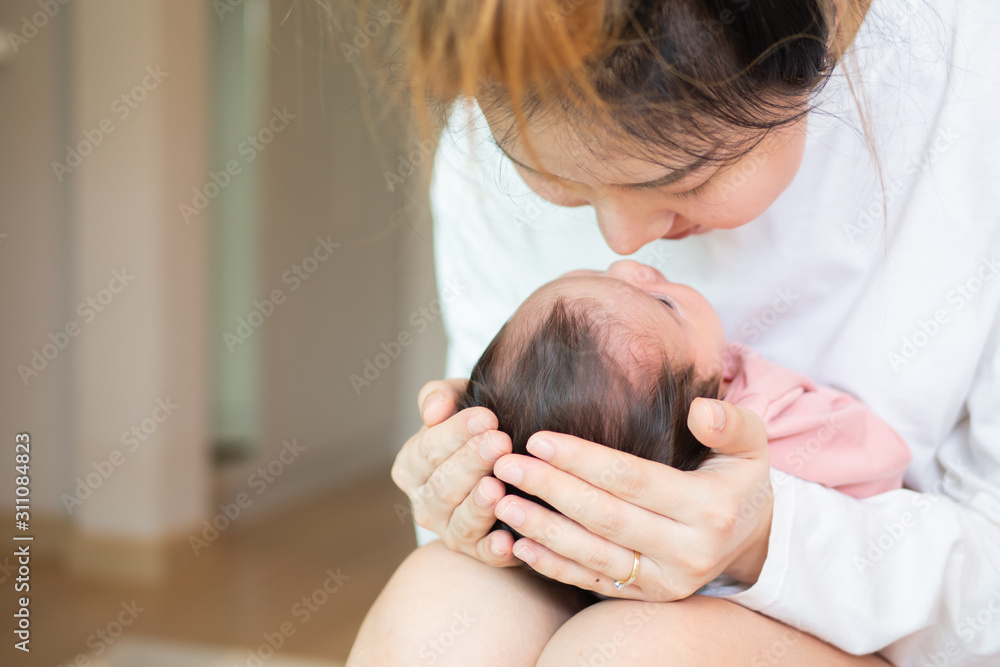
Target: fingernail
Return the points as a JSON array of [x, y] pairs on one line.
[[477, 425], [540, 448], [716, 415], [512, 515], [495, 548], [511, 472], [525, 554], [482, 499], [429, 402], [486, 449]]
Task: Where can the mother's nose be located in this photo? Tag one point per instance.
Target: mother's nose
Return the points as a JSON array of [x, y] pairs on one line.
[[626, 228]]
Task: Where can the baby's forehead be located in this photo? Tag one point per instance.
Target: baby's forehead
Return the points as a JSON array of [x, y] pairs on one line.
[[598, 292], [610, 318], [624, 313]]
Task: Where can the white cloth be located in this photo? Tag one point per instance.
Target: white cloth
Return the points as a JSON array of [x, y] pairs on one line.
[[902, 314]]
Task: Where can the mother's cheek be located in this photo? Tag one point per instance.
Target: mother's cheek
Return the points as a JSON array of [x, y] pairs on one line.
[[550, 191], [747, 189]]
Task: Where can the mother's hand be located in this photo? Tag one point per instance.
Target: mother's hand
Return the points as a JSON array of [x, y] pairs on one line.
[[689, 527], [445, 470]]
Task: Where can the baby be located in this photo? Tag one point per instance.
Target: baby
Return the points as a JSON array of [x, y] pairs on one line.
[[617, 357]]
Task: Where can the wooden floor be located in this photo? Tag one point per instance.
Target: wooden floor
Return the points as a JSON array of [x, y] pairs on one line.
[[245, 585]]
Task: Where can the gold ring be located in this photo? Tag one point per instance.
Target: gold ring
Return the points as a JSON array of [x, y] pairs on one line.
[[622, 585]]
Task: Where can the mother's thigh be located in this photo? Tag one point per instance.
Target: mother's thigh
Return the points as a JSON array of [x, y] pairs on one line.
[[445, 608], [700, 631]]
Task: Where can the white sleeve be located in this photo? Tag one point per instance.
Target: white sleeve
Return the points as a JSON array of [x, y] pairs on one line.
[[477, 292], [463, 205], [914, 576], [495, 241], [450, 191]]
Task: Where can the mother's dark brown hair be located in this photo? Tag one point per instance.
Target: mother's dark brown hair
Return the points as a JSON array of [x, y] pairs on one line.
[[559, 373], [677, 80]]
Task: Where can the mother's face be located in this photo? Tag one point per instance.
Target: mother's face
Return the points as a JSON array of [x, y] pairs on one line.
[[637, 201]]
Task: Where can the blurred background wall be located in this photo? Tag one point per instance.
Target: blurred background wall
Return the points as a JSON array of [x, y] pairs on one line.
[[212, 216]]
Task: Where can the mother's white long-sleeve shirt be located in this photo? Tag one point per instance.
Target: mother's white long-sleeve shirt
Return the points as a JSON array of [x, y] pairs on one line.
[[901, 310]]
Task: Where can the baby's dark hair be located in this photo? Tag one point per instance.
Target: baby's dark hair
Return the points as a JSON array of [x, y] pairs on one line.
[[564, 372]]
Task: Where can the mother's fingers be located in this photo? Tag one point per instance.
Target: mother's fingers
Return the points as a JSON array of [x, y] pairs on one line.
[[575, 553], [469, 526], [584, 553], [450, 484], [421, 455], [554, 566], [662, 490], [438, 400], [728, 429], [619, 521]]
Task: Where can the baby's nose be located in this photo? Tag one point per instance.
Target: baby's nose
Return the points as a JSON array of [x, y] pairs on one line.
[[634, 272], [625, 269], [647, 274]]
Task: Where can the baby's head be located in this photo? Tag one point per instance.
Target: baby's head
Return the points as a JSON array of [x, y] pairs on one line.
[[613, 357]]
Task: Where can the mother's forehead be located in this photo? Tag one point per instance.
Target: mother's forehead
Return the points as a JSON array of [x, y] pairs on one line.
[[566, 149]]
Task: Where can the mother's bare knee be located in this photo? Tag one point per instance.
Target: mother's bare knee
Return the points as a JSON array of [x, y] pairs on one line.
[[697, 631], [445, 608], [621, 632]]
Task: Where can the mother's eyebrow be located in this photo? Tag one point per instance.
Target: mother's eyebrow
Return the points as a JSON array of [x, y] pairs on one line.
[[666, 179]]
